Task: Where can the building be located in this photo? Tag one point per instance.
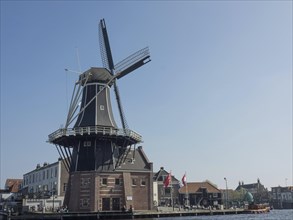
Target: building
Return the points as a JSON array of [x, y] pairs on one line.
[[10, 196], [45, 186], [259, 192], [130, 185], [200, 194], [162, 194], [282, 197], [13, 185]]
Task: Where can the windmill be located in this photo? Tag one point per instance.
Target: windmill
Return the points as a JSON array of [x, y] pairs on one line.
[[95, 143]]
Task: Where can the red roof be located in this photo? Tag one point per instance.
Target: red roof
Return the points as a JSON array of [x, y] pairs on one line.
[[196, 187], [13, 185]]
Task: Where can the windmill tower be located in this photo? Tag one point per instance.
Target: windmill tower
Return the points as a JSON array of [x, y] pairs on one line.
[[106, 168]]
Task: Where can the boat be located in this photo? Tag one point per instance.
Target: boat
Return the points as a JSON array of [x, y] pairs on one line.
[[258, 208]]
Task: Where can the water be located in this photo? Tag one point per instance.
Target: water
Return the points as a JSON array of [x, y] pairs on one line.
[[285, 214]]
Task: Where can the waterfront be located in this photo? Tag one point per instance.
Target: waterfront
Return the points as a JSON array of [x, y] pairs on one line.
[[285, 214]]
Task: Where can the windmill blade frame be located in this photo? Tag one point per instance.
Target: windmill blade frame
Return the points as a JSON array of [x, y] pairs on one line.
[[105, 48], [132, 62], [107, 59]]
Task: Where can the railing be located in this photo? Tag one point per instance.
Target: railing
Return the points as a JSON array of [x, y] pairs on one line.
[[94, 130]]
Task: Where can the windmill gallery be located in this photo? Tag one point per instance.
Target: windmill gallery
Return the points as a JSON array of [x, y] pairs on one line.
[[107, 170]]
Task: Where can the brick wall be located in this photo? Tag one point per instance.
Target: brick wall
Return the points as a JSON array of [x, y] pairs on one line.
[[92, 191]]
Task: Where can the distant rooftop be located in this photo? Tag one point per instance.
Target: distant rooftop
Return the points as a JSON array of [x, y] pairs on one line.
[[13, 185]]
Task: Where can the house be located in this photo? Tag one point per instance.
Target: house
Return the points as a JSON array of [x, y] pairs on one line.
[[200, 194], [13, 185], [10, 197], [130, 185], [44, 187], [259, 192], [162, 195], [12, 191], [282, 197]]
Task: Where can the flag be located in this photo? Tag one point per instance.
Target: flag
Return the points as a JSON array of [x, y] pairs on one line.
[[184, 180], [167, 180]]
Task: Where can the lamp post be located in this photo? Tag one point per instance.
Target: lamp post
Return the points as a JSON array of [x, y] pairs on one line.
[[40, 196], [53, 193], [226, 200]]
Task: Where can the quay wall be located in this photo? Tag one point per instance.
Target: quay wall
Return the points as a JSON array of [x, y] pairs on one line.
[[125, 215]]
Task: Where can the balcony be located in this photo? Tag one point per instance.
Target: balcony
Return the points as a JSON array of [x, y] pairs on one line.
[[94, 130]]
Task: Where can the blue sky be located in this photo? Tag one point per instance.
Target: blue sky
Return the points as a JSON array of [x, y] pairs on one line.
[[215, 101]]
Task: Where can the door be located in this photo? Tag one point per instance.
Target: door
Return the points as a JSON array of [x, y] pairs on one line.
[[105, 204]]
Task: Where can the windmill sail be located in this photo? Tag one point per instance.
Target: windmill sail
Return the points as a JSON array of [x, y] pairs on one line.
[[106, 53], [132, 62]]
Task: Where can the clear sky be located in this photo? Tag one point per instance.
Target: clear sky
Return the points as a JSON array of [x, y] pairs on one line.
[[214, 102]]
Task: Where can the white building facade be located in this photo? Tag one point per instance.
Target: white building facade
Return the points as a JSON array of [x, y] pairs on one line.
[[44, 187]]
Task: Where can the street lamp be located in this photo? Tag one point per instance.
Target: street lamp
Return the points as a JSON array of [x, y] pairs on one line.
[[226, 200], [40, 196], [53, 193]]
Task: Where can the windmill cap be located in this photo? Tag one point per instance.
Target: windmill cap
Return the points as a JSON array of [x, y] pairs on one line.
[[95, 74]]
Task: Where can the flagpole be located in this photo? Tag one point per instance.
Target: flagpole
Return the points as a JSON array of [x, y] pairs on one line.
[[171, 186], [186, 195]]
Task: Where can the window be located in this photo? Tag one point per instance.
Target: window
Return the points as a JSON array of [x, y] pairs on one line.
[[85, 181], [134, 181], [56, 171], [44, 174], [215, 195], [143, 182], [104, 181], [84, 203], [47, 174], [64, 187], [117, 182], [167, 191], [33, 177], [87, 143]]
